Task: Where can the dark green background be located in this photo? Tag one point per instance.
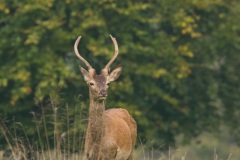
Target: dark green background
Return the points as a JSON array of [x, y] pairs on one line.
[[181, 61]]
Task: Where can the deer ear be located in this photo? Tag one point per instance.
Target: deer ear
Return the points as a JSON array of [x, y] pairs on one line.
[[85, 74], [115, 73]]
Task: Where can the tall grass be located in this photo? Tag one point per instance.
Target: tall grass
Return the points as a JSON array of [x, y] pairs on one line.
[[59, 130], [60, 135]]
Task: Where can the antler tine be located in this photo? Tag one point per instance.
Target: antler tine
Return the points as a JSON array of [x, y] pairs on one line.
[[79, 56], [115, 54]]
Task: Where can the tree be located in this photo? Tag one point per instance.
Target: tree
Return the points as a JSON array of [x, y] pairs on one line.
[[179, 59]]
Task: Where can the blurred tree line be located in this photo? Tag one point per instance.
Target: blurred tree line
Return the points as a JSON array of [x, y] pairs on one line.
[[180, 61]]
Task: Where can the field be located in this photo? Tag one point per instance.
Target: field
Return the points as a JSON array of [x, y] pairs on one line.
[[67, 138], [205, 147]]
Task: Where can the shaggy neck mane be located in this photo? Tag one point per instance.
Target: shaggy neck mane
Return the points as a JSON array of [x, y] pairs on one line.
[[96, 122]]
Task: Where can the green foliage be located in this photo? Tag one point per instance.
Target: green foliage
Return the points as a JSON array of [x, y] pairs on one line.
[[179, 58]]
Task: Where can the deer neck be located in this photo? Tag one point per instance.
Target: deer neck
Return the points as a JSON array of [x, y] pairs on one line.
[[96, 106], [96, 123]]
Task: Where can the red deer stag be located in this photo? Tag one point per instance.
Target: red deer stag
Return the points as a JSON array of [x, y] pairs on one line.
[[111, 134]]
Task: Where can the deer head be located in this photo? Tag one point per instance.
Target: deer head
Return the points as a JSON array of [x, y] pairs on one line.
[[98, 84]]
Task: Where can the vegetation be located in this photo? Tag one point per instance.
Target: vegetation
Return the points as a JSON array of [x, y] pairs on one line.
[[180, 62], [66, 142]]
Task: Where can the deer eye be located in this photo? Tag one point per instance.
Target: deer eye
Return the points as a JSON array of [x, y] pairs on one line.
[[91, 83], [108, 83]]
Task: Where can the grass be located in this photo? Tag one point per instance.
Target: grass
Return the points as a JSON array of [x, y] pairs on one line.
[[59, 138], [58, 134], [207, 146]]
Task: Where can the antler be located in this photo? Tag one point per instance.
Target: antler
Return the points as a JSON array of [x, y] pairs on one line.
[[106, 68], [79, 56]]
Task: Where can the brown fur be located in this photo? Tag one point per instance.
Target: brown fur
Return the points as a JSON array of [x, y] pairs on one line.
[[111, 134]]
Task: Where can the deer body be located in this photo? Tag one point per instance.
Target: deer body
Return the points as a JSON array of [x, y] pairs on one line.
[[111, 134]]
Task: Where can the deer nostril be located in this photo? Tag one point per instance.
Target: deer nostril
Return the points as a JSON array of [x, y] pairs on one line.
[[103, 92]]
